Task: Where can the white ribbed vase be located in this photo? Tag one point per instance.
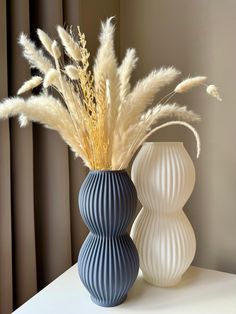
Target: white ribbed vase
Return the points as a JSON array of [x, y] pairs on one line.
[[164, 176]]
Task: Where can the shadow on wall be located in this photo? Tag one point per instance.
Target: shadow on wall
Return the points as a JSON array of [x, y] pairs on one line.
[[197, 38]]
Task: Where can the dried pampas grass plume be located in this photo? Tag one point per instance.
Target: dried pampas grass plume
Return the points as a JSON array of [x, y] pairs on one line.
[[47, 111], [169, 111], [107, 83], [189, 83], [97, 112], [34, 56], [71, 46], [131, 141], [30, 84], [45, 40], [56, 53], [125, 70], [144, 92], [213, 91], [72, 72], [50, 78]]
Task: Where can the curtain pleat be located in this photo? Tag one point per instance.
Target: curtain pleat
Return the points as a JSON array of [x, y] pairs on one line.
[[72, 12], [51, 176], [52, 207], [22, 188], [6, 297]]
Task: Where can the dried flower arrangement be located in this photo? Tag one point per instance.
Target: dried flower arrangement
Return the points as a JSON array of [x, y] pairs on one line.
[[97, 113]]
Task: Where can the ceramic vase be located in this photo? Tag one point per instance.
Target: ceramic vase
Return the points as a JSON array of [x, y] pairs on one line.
[[108, 262], [164, 176]]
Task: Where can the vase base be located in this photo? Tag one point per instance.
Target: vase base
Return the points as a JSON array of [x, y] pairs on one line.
[[166, 284], [107, 304]]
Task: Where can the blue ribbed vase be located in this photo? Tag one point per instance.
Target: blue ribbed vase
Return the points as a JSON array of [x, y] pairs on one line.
[[108, 262]]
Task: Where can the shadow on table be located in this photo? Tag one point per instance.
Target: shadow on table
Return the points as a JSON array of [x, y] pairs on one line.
[[192, 289]]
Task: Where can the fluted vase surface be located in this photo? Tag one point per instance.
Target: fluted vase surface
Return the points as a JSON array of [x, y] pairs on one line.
[[164, 176], [108, 262]]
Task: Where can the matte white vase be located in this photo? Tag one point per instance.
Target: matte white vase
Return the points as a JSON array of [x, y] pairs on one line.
[[164, 176]]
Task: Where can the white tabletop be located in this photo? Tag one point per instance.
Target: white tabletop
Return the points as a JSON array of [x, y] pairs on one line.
[[201, 291]]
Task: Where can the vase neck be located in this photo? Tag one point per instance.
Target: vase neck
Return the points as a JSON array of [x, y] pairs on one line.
[[108, 171], [160, 144]]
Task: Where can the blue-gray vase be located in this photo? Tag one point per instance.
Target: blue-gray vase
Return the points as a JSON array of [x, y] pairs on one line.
[[108, 262]]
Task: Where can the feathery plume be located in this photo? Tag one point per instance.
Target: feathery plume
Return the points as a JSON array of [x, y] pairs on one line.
[[144, 92], [161, 111], [72, 48], [131, 152], [125, 70], [213, 91], [45, 40], [72, 72], [48, 111], [129, 140], [136, 103], [56, 53], [189, 83], [34, 56], [30, 84], [106, 73], [50, 78], [105, 67]]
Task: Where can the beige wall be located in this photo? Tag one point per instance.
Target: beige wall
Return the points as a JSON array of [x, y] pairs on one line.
[[198, 37]]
